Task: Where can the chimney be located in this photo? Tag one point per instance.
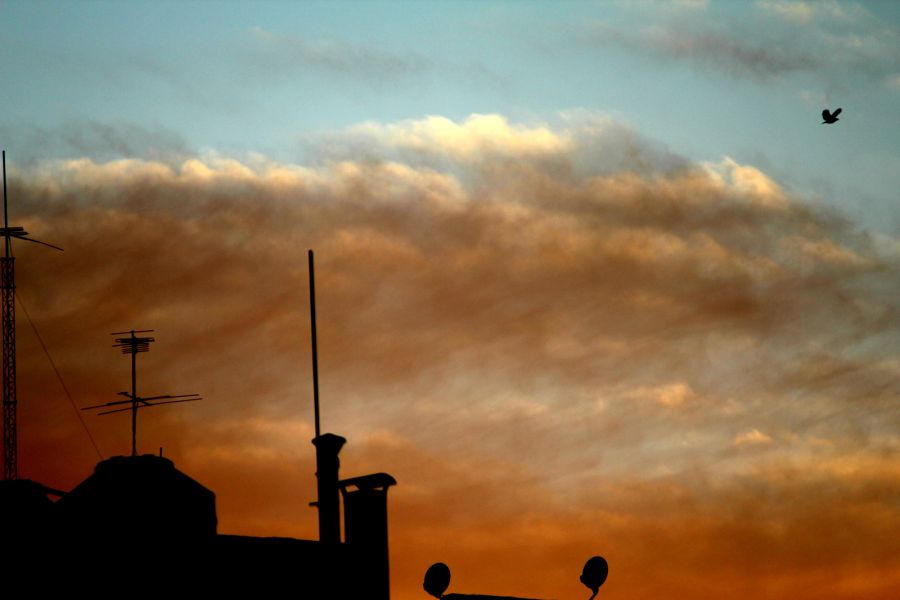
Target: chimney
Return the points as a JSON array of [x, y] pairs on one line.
[[365, 529], [328, 446]]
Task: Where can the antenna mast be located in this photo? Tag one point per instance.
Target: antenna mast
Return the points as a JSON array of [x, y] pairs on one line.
[[8, 318], [328, 446], [134, 345], [315, 354]]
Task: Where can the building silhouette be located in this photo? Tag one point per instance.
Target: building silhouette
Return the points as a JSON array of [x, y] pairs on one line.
[[138, 523]]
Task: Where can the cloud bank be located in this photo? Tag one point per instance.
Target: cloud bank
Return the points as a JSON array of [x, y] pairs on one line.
[[562, 340]]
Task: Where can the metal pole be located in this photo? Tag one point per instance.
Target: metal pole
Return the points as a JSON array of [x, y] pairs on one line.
[[315, 355], [5, 214], [134, 407], [10, 443]]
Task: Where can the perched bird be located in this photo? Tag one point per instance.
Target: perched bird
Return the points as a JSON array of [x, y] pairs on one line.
[[830, 117]]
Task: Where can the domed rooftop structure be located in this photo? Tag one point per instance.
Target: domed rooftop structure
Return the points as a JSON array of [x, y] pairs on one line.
[[138, 500]]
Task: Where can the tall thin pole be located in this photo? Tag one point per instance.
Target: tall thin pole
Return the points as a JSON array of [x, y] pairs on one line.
[[10, 443], [8, 320], [132, 345], [315, 354], [5, 212], [134, 406]]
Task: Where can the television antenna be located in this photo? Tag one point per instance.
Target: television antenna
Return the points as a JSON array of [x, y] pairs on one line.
[[134, 345], [8, 318]]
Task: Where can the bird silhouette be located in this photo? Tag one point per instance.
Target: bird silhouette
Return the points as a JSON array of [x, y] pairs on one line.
[[829, 117]]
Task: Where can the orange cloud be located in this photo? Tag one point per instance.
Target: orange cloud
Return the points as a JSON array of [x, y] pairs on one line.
[[560, 341]]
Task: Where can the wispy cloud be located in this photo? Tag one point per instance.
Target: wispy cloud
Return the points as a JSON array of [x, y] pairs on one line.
[[672, 7], [278, 51], [838, 43], [800, 12], [754, 437], [100, 140], [711, 50], [284, 55], [803, 12]]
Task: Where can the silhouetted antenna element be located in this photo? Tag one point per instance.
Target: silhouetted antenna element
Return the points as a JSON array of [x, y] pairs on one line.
[[315, 350], [134, 345], [8, 310]]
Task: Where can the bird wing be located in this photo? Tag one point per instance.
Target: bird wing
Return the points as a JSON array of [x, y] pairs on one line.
[[826, 115], [837, 112]]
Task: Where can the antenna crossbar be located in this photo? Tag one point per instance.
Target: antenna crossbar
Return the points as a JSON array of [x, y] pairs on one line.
[[145, 404], [134, 345]]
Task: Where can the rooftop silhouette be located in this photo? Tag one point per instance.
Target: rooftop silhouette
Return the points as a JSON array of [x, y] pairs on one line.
[[139, 523], [137, 510]]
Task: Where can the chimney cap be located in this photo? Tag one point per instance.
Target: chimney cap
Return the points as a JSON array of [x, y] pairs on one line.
[[368, 482], [329, 441]]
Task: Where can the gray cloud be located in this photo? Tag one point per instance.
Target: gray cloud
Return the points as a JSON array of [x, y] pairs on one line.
[[838, 51], [712, 50], [286, 53], [282, 55], [103, 141]]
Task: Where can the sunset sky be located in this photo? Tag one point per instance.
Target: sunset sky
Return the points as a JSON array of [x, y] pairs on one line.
[[592, 278]]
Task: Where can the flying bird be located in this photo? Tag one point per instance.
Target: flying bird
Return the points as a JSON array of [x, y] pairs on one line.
[[830, 117]]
